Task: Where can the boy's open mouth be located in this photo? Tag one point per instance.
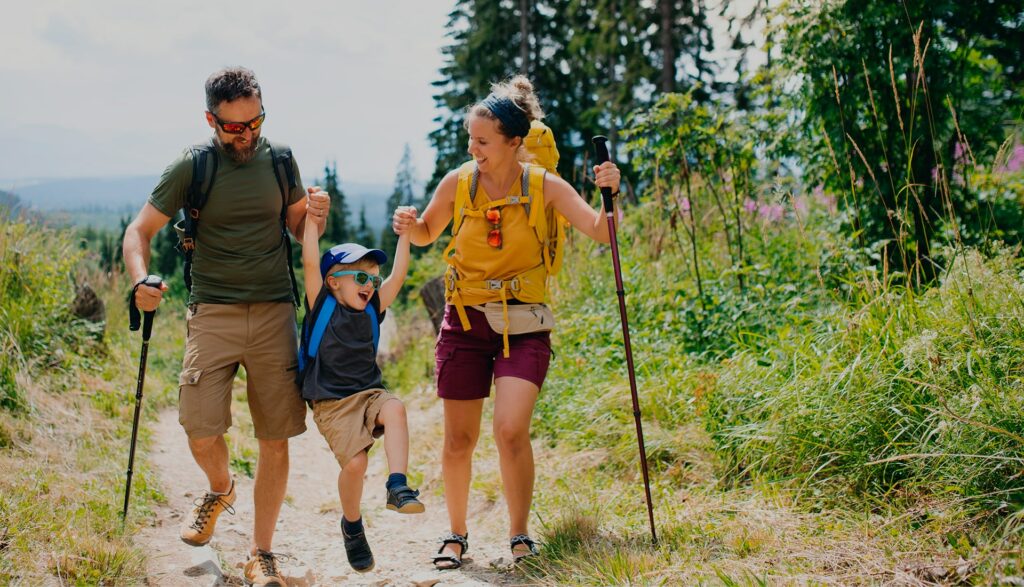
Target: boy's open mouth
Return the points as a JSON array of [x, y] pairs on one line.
[[365, 296]]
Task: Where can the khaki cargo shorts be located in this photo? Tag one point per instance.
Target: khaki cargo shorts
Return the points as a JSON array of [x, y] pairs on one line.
[[262, 338], [349, 425]]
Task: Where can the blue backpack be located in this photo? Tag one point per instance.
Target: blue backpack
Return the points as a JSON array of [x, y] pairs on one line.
[[314, 325]]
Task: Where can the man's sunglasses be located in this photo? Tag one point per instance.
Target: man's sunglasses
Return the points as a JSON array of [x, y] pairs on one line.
[[361, 278], [237, 128]]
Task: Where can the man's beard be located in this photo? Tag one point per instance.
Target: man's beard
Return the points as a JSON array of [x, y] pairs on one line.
[[236, 153]]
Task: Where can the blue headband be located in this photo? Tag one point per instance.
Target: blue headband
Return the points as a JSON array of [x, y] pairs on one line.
[[511, 116]]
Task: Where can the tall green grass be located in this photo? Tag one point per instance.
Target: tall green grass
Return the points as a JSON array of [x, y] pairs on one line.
[[37, 269], [897, 394], [66, 404]]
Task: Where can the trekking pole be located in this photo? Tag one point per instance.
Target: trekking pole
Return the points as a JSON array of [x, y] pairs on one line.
[[147, 330], [601, 148]]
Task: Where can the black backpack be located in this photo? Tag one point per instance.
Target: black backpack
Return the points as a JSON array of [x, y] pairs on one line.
[[204, 171]]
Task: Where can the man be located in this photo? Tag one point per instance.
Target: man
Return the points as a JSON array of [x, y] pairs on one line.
[[240, 308]]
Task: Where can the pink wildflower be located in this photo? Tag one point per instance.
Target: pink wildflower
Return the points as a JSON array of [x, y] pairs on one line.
[[800, 205], [1016, 161], [771, 212]]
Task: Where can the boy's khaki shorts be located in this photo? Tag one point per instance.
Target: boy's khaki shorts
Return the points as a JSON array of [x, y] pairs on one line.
[[262, 338], [349, 425]]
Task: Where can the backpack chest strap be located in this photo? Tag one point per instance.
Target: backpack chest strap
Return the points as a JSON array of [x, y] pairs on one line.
[[506, 201]]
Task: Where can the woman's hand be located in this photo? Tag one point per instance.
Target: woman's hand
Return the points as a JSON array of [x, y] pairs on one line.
[[404, 219], [606, 175]]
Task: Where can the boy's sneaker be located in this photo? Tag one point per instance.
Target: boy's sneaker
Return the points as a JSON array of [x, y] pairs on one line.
[[357, 549], [197, 529], [402, 499], [261, 569]]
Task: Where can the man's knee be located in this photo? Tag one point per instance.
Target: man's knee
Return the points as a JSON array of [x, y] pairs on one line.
[[274, 449], [204, 445]]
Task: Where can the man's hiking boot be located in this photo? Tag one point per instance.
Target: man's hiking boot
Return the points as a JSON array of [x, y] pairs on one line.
[[357, 549], [197, 529], [261, 569], [403, 500]]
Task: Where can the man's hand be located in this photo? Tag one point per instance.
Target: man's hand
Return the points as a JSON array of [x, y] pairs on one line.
[[318, 204], [148, 298]]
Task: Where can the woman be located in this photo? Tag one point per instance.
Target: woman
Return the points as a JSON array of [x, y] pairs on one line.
[[498, 270]]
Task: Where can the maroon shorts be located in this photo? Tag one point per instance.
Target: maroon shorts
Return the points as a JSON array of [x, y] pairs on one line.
[[467, 362]]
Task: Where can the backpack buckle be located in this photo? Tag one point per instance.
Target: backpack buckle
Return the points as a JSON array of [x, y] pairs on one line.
[[194, 213], [513, 199], [493, 284], [188, 243], [513, 285]]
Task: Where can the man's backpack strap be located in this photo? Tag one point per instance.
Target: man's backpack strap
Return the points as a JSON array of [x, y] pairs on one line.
[[284, 173], [204, 171]]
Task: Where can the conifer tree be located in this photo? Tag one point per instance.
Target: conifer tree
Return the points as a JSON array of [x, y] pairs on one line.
[[403, 194], [338, 228]]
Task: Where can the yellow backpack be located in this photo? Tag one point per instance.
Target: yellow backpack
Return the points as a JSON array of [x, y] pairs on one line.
[[548, 225]]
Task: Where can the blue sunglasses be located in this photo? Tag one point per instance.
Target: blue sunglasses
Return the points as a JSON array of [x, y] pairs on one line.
[[361, 278]]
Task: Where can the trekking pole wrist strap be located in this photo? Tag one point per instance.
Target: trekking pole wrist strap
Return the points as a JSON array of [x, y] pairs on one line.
[[134, 315]]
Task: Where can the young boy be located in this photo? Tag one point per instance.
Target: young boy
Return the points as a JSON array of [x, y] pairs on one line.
[[343, 382]]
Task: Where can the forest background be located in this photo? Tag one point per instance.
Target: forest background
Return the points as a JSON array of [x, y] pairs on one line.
[[822, 258]]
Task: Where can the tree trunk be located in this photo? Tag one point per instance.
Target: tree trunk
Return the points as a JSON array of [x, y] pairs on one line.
[[432, 294], [525, 7], [668, 50]]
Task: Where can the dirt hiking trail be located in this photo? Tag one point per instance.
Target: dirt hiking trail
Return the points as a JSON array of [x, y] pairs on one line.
[[307, 529]]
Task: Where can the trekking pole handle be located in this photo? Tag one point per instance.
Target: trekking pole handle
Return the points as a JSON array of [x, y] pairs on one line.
[[133, 310], [147, 320], [601, 150]]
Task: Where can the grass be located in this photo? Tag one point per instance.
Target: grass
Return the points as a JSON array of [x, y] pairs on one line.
[[65, 418], [768, 455], [913, 395]]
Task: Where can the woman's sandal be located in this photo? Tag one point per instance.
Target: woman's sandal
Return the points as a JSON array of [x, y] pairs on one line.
[[445, 562], [523, 539]]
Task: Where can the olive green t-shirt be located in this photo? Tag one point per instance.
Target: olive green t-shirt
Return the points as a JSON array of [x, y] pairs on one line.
[[240, 256]]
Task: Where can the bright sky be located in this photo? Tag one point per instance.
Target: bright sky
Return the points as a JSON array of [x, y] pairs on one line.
[[115, 87]]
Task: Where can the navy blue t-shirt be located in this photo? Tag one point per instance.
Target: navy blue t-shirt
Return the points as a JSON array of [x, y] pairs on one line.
[[346, 362]]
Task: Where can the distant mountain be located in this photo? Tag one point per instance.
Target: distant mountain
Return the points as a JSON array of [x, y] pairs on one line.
[[10, 205], [101, 201]]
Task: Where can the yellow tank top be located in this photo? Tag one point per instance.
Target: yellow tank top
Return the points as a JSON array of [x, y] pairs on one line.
[[476, 260]]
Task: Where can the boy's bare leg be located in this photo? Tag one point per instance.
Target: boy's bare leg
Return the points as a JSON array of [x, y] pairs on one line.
[[396, 435], [350, 486]]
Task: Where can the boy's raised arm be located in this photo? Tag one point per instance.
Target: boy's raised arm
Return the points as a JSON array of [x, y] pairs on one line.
[[393, 284], [311, 265]]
